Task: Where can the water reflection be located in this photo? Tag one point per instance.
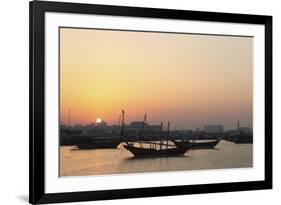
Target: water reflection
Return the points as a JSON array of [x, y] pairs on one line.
[[76, 162]]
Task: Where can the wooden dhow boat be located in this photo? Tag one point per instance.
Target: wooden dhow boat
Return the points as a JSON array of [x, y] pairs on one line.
[[153, 149], [210, 144]]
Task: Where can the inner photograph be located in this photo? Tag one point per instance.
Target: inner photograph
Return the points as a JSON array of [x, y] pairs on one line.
[[143, 101]]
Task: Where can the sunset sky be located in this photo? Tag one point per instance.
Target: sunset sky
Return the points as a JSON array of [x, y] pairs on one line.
[[189, 80]]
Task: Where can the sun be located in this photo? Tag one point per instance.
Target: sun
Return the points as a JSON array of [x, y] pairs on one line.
[[98, 120]]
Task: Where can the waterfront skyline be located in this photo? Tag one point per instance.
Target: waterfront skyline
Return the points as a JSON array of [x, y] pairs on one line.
[[189, 80]]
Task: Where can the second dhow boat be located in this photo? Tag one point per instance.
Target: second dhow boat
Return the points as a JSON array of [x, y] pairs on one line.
[[210, 144], [155, 149]]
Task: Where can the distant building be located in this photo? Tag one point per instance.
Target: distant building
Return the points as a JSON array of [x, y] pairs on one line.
[[91, 125], [78, 126], [213, 128], [102, 124], [137, 125], [140, 126]]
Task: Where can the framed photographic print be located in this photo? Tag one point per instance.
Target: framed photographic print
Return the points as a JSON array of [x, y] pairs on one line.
[[140, 102]]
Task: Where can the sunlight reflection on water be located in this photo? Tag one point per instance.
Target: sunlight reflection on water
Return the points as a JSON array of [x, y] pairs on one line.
[[113, 161]]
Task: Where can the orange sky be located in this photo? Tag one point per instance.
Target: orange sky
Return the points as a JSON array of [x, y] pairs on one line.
[[190, 80]]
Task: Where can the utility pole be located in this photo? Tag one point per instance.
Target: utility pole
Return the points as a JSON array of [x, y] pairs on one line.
[[168, 133], [161, 127]]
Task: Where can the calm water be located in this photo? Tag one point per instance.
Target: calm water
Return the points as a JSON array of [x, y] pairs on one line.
[[112, 161]]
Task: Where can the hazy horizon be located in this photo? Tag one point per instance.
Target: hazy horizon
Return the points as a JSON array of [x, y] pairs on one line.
[[189, 80]]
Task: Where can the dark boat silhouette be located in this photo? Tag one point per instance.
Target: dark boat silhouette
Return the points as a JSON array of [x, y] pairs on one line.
[[99, 143], [153, 149], [196, 145], [105, 145]]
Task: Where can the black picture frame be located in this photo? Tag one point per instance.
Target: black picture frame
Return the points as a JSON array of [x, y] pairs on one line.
[[37, 9]]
